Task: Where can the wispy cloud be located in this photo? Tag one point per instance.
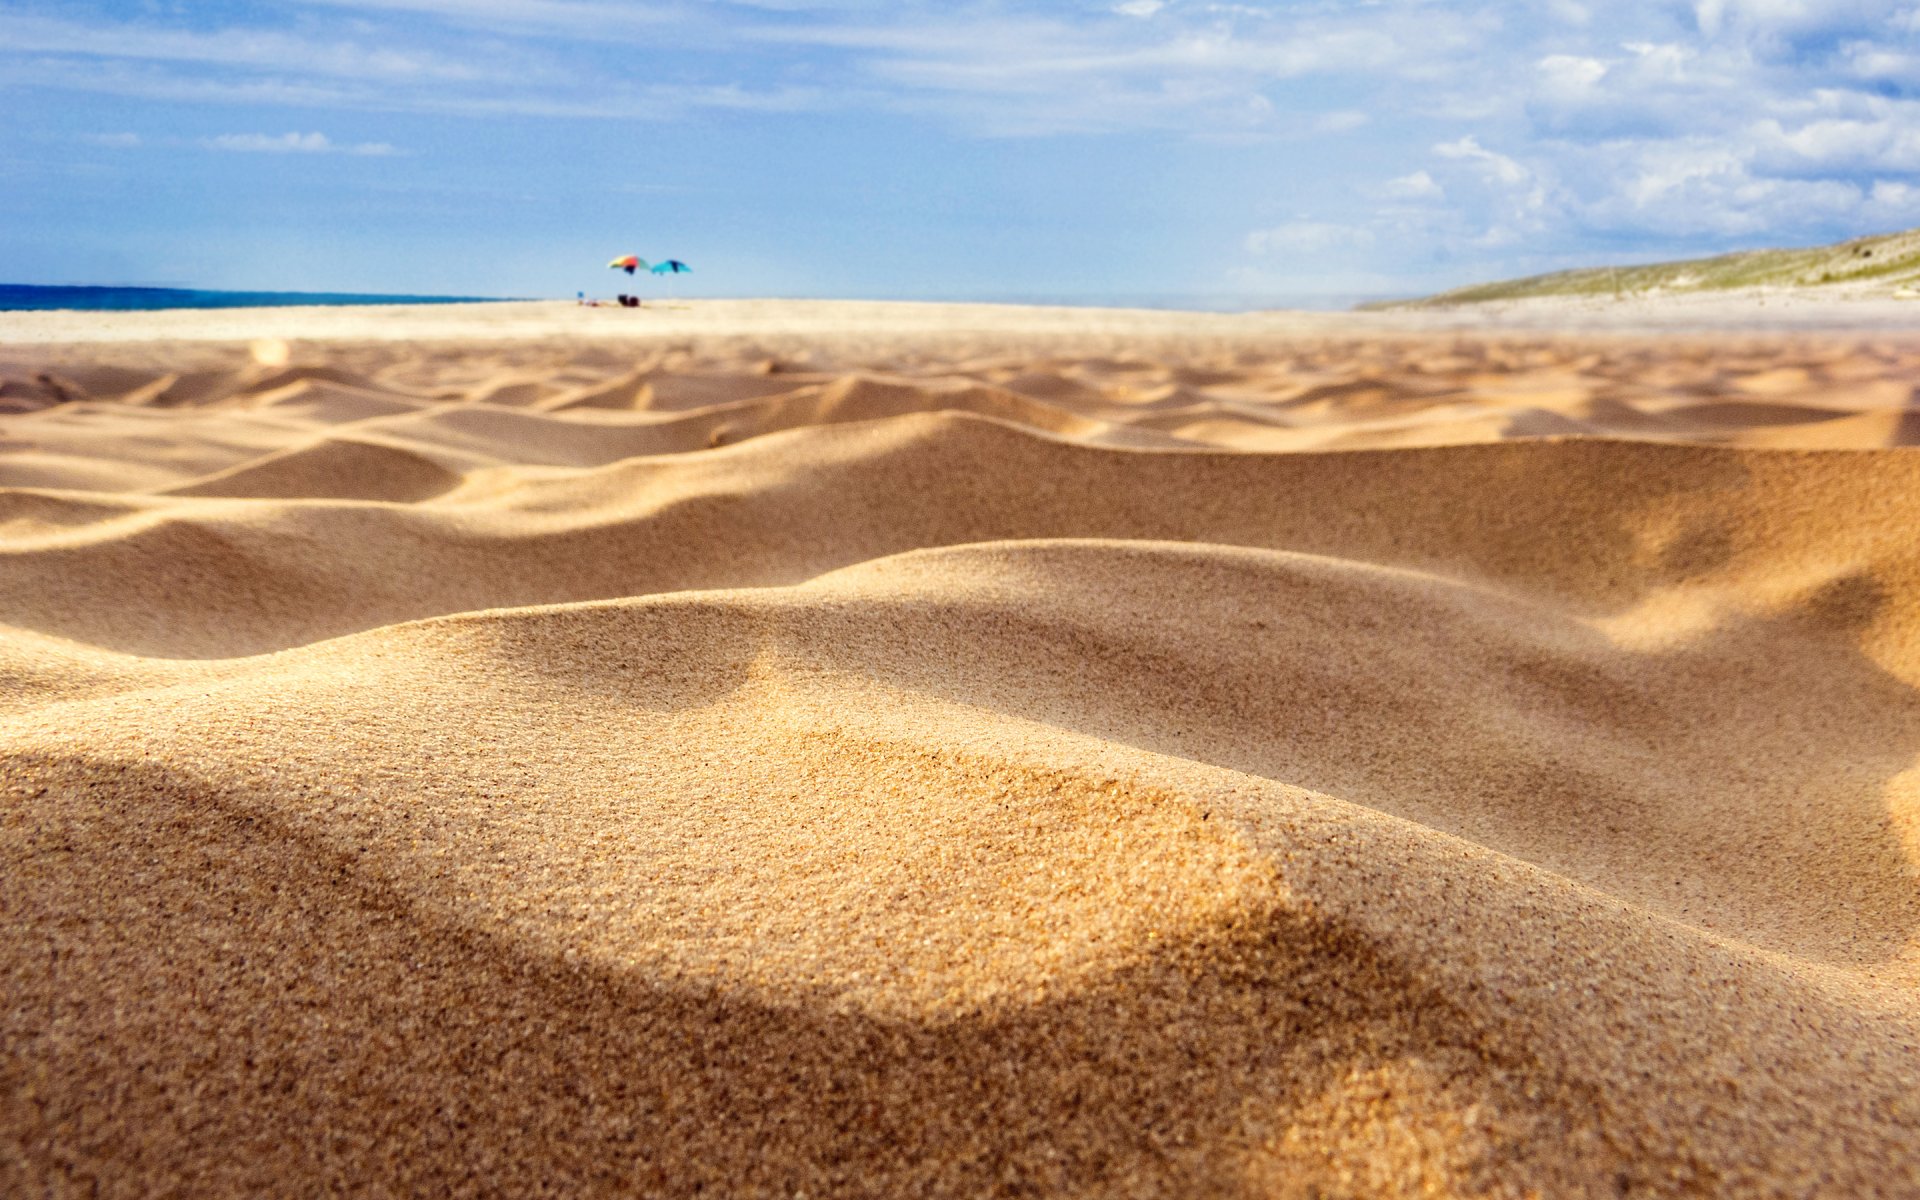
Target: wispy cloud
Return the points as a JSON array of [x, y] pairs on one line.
[[1309, 237], [379, 69], [566, 18], [995, 69], [294, 143], [1203, 69], [267, 50]]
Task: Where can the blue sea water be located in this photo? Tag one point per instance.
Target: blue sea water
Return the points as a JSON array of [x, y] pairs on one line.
[[23, 297]]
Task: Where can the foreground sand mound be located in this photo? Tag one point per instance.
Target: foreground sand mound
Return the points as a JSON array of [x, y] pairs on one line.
[[985, 772]]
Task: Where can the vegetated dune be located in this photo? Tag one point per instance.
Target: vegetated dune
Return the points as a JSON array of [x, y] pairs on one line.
[[1332, 766], [1885, 264]]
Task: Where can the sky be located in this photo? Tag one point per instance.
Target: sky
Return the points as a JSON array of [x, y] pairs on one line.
[[1223, 154]]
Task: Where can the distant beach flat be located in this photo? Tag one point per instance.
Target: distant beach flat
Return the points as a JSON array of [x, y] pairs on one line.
[[874, 323], [780, 748]]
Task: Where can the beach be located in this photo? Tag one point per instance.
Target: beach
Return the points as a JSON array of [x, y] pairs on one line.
[[781, 748]]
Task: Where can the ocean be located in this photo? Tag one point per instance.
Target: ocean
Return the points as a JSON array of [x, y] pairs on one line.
[[27, 297]]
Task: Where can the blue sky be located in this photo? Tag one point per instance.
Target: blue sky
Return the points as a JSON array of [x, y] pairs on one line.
[[1250, 152]]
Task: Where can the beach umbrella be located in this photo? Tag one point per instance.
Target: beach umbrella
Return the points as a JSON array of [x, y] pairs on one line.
[[629, 264], [670, 268]]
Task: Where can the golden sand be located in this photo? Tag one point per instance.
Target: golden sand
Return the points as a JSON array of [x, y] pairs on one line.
[[983, 755]]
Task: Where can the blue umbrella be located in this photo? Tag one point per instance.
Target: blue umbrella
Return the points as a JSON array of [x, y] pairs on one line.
[[670, 268]]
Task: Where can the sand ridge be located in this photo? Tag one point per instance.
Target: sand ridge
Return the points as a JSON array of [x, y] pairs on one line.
[[1120, 761]]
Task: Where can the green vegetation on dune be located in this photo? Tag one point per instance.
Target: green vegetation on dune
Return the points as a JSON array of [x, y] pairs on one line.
[[1889, 260]]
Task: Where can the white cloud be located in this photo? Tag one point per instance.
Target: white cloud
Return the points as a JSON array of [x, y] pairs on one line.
[[1571, 75], [1663, 62], [293, 143], [1789, 18], [1139, 8], [1308, 238], [1886, 143], [1891, 204], [1879, 62], [1497, 166], [1416, 186], [1510, 201], [1703, 188], [1664, 174], [1340, 122]]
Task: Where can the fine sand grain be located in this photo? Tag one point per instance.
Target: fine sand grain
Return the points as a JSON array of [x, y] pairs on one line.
[[927, 751]]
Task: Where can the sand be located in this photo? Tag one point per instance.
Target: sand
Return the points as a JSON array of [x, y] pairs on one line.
[[839, 750]]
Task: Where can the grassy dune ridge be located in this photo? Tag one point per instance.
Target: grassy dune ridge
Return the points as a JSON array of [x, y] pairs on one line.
[[1886, 262]]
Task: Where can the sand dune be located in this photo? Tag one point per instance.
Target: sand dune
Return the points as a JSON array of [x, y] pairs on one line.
[[1011, 761]]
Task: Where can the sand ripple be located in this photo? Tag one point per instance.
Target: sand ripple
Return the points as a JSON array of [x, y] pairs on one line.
[[1401, 766]]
